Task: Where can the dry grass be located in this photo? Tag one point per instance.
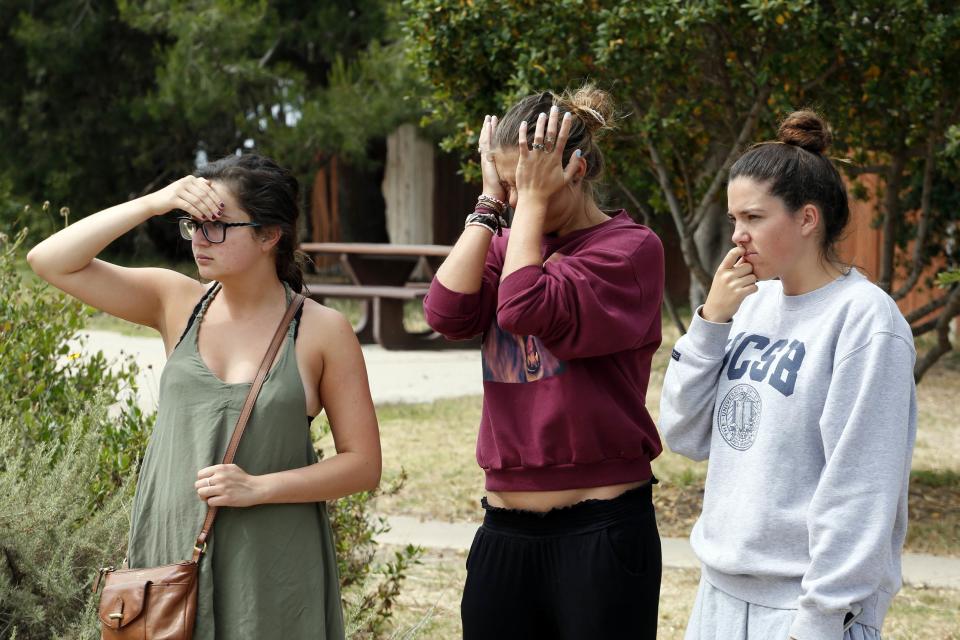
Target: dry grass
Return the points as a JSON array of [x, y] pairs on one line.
[[429, 606], [938, 419], [434, 444]]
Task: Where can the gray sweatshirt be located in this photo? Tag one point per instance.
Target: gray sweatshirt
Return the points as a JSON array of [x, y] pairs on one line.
[[806, 407]]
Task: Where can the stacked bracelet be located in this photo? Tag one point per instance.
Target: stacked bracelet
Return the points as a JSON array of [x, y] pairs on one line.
[[488, 214]]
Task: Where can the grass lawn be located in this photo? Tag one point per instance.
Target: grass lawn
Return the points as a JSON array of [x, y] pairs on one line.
[[429, 604]]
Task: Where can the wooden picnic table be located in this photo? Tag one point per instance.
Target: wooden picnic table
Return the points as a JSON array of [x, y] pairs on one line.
[[380, 278]]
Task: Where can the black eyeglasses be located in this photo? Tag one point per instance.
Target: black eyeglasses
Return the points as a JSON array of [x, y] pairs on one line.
[[213, 230]]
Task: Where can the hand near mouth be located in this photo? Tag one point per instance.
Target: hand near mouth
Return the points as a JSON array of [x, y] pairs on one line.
[[733, 282]]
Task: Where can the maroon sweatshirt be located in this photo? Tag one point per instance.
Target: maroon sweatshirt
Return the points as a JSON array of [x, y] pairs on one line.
[[566, 358]]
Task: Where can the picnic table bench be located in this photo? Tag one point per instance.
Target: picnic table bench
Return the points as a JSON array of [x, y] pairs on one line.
[[379, 276]]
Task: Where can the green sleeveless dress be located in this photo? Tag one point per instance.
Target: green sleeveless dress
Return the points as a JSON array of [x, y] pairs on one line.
[[270, 571]]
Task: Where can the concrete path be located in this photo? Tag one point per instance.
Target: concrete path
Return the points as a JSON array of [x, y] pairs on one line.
[[395, 376], [918, 569]]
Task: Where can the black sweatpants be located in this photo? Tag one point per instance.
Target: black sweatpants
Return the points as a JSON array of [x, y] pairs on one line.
[[586, 572]]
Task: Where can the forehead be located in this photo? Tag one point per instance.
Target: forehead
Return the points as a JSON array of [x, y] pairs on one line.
[[747, 193], [232, 212]]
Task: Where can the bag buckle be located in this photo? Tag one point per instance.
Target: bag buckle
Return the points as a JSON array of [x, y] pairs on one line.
[[102, 572]]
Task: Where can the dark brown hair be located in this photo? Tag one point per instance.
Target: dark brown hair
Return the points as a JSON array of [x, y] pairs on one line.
[[796, 170], [270, 195], [593, 113]]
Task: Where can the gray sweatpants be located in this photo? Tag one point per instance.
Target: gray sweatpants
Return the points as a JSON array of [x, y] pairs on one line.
[[719, 616]]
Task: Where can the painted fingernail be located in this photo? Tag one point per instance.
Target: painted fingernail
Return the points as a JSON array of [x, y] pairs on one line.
[[566, 115], [554, 109], [222, 205], [542, 115], [578, 153]]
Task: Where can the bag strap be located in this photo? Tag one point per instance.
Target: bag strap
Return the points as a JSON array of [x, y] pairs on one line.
[[265, 366]]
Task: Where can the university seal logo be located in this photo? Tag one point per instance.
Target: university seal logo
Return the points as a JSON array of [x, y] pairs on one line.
[[739, 417]]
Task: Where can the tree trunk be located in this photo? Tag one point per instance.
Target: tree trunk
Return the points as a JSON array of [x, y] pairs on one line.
[[408, 187], [891, 215], [712, 238], [942, 327], [362, 208]]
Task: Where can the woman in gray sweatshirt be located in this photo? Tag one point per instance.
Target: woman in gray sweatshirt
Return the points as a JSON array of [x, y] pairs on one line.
[[796, 381]]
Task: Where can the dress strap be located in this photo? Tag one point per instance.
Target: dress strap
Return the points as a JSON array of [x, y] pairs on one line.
[[197, 310], [295, 323]]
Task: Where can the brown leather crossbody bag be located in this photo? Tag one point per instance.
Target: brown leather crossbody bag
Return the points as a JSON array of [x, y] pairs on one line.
[[161, 602]]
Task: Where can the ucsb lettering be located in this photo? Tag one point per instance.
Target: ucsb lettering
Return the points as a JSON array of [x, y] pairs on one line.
[[777, 362]]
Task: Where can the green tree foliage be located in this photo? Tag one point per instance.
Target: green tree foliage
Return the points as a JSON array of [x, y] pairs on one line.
[[103, 101], [73, 125], [702, 80], [896, 104]]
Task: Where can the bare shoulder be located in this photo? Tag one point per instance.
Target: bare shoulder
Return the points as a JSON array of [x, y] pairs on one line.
[[179, 287], [326, 330]]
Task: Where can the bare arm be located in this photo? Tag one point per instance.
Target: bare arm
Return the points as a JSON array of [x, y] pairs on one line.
[[67, 259], [462, 271]]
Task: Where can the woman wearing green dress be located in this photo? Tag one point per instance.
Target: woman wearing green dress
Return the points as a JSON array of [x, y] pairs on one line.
[[269, 570]]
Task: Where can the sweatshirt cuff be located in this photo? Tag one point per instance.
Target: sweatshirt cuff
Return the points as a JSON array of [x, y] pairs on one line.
[[708, 339], [813, 624], [450, 304], [518, 282]]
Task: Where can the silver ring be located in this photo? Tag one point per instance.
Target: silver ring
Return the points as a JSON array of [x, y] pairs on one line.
[[538, 146]]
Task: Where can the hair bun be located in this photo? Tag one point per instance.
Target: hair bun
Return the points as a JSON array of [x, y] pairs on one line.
[[593, 106], [807, 130]]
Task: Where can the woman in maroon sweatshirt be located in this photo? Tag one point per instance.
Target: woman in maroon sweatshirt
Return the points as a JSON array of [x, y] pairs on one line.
[[568, 302]]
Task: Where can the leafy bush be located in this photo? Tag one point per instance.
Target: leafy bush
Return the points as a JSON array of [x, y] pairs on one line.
[[46, 378], [369, 586], [54, 532]]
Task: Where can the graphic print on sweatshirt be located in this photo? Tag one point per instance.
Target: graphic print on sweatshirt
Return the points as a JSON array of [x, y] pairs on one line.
[[749, 360], [510, 358]]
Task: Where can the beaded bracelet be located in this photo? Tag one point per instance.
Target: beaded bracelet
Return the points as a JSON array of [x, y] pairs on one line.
[[499, 205]]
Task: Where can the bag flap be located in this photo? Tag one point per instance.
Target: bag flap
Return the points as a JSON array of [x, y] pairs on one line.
[[121, 604]]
